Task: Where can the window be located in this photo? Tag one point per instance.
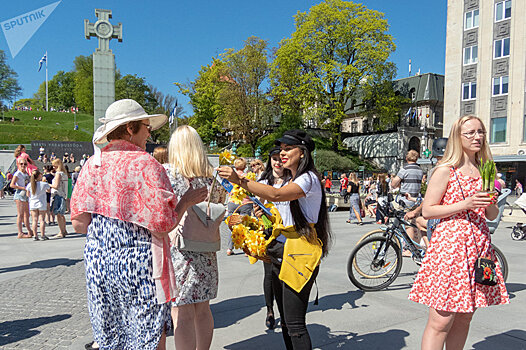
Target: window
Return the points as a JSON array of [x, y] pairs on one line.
[[498, 130], [365, 125], [469, 91], [471, 54], [354, 127], [502, 47], [471, 19], [500, 86], [502, 10]]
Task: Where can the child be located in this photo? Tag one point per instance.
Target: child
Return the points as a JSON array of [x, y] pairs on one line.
[[36, 191]]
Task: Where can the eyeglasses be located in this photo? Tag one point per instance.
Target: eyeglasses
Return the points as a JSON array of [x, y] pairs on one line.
[[148, 126], [471, 134], [22, 163]]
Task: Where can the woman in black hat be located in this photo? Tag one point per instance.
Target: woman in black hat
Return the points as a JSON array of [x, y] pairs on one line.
[[302, 237]]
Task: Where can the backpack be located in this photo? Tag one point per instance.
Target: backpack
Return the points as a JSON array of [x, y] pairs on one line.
[[198, 229]]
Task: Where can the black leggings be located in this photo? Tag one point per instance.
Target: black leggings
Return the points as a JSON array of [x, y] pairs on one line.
[[292, 310], [267, 286]]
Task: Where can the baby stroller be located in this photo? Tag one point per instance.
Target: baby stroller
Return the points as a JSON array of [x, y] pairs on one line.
[[7, 188], [519, 230]]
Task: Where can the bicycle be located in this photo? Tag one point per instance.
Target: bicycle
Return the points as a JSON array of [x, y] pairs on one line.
[[377, 257]]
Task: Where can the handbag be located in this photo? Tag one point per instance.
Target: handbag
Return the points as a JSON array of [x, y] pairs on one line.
[[485, 272], [198, 229]]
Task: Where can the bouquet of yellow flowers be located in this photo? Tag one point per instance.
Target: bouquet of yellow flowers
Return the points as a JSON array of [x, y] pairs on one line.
[[249, 235], [238, 193], [226, 158]]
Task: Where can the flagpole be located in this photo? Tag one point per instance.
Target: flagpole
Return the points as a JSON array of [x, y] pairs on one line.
[[47, 107]]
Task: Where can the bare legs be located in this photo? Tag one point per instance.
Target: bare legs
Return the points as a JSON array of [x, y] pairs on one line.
[[39, 215], [22, 209], [447, 328], [194, 326], [62, 225]]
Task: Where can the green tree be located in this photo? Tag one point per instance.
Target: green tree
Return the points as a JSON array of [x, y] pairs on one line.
[[83, 90], [61, 91], [204, 94], [247, 111], [336, 47], [9, 87], [134, 87]]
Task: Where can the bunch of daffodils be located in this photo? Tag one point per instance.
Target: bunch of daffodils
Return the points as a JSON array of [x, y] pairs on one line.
[[238, 193]]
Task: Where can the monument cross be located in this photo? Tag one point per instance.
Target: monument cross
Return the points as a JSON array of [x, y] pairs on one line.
[[103, 29], [103, 62]]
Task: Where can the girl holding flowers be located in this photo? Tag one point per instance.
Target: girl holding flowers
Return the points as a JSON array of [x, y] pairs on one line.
[[300, 231], [446, 281]]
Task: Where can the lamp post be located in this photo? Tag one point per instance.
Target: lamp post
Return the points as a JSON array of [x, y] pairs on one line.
[[234, 148], [257, 154]]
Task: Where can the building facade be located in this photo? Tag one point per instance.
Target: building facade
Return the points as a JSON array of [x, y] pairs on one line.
[[486, 75], [420, 123]]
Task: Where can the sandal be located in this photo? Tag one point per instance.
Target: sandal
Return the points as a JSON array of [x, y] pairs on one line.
[[348, 221], [89, 346], [24, 235]]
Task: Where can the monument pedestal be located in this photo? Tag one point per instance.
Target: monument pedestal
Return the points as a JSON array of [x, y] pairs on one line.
[[103, 83]]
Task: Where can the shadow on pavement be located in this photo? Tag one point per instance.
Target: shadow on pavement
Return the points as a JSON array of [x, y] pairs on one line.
[[337, 301], [514, 287], [229, 312], [13, 331], [42, 264], [323, 338], [513, 339]]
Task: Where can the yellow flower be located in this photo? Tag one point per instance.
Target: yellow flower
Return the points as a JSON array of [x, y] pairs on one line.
[[226, 158]]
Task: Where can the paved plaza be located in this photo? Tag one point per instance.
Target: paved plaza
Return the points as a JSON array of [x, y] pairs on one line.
[[43, 301]]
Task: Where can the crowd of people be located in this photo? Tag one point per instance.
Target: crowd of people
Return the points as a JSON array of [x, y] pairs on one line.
[[135, 209]]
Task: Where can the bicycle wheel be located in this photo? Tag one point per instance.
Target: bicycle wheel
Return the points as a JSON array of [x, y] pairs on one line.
[[517, 234], [370, 265], [502, 262], [378, 232]]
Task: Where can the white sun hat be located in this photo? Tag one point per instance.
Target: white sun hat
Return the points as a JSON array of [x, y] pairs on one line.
[[120, 113]]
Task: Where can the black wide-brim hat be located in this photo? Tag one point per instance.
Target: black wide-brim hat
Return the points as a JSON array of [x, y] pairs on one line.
[[296, 137]]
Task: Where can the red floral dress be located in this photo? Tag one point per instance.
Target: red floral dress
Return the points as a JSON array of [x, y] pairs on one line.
[[446, 279]]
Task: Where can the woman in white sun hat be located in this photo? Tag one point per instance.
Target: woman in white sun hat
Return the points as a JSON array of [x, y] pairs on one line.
[[123, 200]]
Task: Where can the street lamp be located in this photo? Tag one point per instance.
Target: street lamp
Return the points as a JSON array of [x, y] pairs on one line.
[[257, 154], [234, 148]]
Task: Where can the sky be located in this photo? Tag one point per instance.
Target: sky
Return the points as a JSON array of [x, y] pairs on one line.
[[168, 41]]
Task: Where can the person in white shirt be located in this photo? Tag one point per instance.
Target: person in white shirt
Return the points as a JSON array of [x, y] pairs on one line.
[[36, 191], [305, 228], [19, 183]]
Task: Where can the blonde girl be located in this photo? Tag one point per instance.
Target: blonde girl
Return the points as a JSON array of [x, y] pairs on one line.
[[58, 206], [446, 282], [19, 183], [196, 272], [36, 191]]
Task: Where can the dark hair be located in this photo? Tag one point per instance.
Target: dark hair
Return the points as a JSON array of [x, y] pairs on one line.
[[301, 225], [122, 130], [19, 150], [269, 175], [160, 153]]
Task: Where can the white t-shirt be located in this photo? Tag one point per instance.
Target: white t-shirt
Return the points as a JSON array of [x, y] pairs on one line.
[[22, 179], [280, 206], [37, 200], [310, 204]]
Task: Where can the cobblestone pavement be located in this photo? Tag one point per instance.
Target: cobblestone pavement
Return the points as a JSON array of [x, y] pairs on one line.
[[44, 309]]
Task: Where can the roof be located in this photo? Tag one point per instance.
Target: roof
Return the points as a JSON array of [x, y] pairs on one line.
[[427, 87], [375, 146]]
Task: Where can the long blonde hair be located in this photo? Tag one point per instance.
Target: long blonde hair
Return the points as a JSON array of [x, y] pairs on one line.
[[60, 166], [454, 154], [34, 176], [187, 153]]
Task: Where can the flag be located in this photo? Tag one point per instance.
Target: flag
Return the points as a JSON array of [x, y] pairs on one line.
[[408, 112], [42, 60], [172, 115]]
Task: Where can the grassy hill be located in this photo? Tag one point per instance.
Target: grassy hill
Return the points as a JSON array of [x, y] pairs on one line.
[[53, 126]]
